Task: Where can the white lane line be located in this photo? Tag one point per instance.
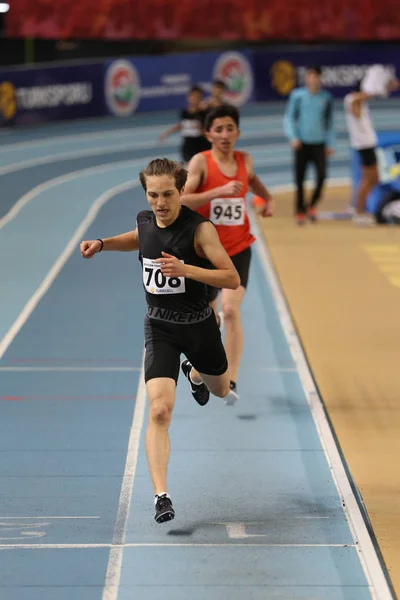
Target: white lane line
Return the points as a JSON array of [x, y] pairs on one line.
[[368, 557], [41, 369], [114, 567], [274, 154], [60, 262], [382, 116], [52, 158], [331, 182], [50, 183], [113, 133], [71, 369], [237, 531], [60, 180], [121, 548], [102, 150], [77, 137], [46, 517]]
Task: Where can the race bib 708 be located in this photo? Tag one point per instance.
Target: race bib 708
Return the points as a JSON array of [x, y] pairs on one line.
[[155, 282]]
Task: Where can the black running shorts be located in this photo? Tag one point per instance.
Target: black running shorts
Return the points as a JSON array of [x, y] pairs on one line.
[[368, 157], [242, 265], [200, 342]]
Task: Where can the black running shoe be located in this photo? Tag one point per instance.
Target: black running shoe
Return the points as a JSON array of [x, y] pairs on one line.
[[164, 509], [199, 392]]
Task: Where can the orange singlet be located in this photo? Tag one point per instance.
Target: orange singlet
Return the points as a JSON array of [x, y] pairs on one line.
[[229, 215]]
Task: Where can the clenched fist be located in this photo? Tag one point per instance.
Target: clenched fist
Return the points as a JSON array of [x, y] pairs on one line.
[[233, 188], [90, 248]]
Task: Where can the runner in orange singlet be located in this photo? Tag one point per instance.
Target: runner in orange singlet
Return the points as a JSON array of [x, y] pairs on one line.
[[216, 187]]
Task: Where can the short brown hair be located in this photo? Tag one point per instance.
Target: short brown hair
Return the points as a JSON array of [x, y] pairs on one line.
[[225, 110], [164, 166]]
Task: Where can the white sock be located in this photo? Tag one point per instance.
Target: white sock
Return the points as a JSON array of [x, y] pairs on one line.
[[194, 382], [157, 496]]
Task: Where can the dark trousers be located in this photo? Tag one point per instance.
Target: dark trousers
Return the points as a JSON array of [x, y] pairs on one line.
[[306, 154]]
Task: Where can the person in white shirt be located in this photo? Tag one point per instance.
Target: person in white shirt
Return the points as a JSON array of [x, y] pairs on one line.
[[362, 134]]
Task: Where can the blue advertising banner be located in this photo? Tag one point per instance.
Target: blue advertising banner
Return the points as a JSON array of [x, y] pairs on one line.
[[122, 87], [149, 83], [30, 96], [278, 72]]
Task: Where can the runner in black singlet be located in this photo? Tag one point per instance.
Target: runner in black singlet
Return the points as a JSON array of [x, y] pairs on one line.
[[190, 126], [175, 248]]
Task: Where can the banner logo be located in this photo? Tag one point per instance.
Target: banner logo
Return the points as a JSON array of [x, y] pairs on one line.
[[8, 101], [283, 76], [235, 71], [122, 88]]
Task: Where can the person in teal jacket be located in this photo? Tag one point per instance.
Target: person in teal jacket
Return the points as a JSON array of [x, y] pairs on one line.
[[309, 126]]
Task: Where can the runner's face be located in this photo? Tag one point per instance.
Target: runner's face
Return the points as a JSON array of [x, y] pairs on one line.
[[163, 197], [223, 134], [217, 92], [194, 99]]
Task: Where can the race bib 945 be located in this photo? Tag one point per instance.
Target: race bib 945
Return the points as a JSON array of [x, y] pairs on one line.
[[155, 282], [227, 211]]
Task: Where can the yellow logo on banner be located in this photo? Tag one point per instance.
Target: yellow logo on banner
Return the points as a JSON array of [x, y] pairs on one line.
[[8, 100], [283, 75]]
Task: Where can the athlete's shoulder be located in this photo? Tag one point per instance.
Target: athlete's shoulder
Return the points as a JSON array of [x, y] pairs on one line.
[[246, 159], [144, 216], [298, 92], [327, 94], [243, 154], [198, 162], [191, 215]]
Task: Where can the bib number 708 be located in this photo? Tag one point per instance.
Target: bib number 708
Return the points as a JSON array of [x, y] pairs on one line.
[[155, 282]]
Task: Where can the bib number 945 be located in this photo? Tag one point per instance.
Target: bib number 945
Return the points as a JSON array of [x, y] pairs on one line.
[[227, 211]]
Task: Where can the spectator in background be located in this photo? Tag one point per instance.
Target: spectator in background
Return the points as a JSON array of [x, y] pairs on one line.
[[217, 95], [190, 126], [308, 124], [377, 81]]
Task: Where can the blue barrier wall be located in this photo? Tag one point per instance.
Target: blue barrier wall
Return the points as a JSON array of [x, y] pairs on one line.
[[119, 87], [122, 87], [277, 72], [50, 94]]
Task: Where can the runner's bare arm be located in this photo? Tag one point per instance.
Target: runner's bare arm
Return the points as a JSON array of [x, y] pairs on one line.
[[255, 183], [208, 246], [196, 175], [264, 202], [173, 129], [125, 242]]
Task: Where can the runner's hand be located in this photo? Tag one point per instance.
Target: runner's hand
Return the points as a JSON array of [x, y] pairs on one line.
[[171, 266], [266, 209], [233, 188], [90, 248]]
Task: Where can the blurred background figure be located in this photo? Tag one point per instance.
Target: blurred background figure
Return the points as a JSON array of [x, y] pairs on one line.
[[217, 97], [378, 81], [190, 126], [308, 124]]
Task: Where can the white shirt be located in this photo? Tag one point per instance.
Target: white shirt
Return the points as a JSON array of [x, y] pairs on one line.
[[376, 80], [361, 131]]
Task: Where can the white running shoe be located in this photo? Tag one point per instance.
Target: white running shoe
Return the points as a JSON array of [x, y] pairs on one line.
[[233, 396], [364, 220]]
